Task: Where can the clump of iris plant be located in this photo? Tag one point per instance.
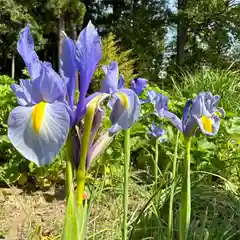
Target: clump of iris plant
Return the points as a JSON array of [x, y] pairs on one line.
[[47, 117], [200, 114]]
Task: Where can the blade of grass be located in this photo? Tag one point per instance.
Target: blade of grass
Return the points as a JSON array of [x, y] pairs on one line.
[[170, 216], [156, 165]]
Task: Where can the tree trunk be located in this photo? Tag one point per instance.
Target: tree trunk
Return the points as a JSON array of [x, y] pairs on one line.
[[181, 32], [60, 39], [73, 31], [13, 67]]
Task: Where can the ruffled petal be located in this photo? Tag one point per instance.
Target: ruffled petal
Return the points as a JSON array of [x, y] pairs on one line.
[[125, 110], [110, 84], [39, 132], [50, 85], [200, 104], [208, 125], [221, 111], [21, 97], [25, 48], [161, 104], [26, 94]]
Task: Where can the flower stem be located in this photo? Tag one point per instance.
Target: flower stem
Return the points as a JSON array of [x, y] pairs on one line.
[[81, 171], [185, 206], [125, 188], [170, 215], [156, 165], [69, 166]]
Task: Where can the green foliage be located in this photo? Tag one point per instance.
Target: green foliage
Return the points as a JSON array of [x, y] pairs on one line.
[[142, 28], [14, 17], [71, 228], [216, 155], [206, 30], [225, 83], [111, 52], [7, 102]]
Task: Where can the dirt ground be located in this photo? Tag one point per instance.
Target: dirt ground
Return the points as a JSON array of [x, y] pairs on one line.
[[22, 213], [39, 215]]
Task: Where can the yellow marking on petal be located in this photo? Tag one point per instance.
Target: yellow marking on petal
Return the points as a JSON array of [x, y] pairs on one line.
[[123, 99], [37, 116], [207, 124]]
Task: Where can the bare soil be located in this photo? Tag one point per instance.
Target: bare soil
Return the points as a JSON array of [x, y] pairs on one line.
[[22, 213]]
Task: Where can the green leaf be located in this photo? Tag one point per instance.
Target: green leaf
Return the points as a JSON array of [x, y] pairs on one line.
[[4, 138], [204, 145], [71, 228]]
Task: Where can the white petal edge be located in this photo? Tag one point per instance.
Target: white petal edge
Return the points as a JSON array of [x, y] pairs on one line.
[[43, 147]]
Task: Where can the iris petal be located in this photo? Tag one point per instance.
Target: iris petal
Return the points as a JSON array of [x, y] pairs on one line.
[[208, 126], [68, 68], [81, 113], [222, 112], [39, 147], [173, 119], [189, 124], [97, 122], [161, 104], [88, 54], [21, 96], [25, 48], [125, 110], [121, 81], [50, 85], [138, 85], [158, 132], [26, 94], [110, 84], [151, 96], [99, 147]]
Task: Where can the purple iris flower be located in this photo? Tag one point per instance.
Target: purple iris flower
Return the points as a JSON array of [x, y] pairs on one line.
[[138, 85], [158, 132], [125, 103], [201, 113], [83, 57], [38, 127]]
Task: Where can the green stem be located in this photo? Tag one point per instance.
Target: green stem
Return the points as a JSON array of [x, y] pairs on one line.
[[185, 206], [125, 189], [156, 165], [81, 171], [170, 215], [69, 166]]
